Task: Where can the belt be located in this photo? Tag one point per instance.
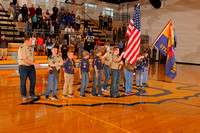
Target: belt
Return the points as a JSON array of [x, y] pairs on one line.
[[26, 66]]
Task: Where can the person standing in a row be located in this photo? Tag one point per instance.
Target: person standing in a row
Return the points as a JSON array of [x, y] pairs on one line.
[[27, 68]]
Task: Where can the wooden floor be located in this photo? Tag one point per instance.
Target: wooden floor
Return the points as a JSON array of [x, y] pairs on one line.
[[167, 107]]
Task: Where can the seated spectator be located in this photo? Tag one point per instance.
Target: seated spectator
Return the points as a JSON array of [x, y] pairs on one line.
[[67, 30], [3, 47], [49, 45], [90, 31], [47, 15], [71, 31], [38, 11], [40, 45]]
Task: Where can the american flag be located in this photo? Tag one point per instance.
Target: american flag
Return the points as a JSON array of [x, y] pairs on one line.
[[133, 33]]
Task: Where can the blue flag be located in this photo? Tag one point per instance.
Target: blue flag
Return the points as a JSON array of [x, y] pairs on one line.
[[165, 44]]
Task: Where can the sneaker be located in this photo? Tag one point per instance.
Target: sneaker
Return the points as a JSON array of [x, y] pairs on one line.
[[118, 95], [33, 97], [105, 90], [64, 96], [127, 94], [94, 95], [146, 85], [54, 98], [46, 97], [71, 95], [100, 95], [25, 98], [83, 96]]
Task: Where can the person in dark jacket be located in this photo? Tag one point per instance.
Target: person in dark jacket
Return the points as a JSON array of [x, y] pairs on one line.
[[24, 12], [38, 11]]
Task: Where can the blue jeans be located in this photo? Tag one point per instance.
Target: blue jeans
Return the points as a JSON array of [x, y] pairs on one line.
[[145, 76], [84, 82], [95, 80], [139, 78], [54, 81], [27, 71], [115, 81], [129, 80], [106, 71]]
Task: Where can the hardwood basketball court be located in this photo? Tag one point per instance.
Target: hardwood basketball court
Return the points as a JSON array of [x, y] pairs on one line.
[[167, 107]]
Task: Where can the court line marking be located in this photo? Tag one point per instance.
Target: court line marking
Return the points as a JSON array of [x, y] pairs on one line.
[[101, 120]]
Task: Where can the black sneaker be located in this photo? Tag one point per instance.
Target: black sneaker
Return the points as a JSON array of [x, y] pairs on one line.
[[33, 97], [118, 95], [94, 95], [54, 98], [100, 95], [79, 89], [83, 96], [46, 97]]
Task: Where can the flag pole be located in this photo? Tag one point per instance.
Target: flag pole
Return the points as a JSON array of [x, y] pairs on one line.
[[157, 37], [153, 43]]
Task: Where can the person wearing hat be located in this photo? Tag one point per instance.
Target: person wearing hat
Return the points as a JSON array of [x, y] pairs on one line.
[[84, 72], [97, 74]]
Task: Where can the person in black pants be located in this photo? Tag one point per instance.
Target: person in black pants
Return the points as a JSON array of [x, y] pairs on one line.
[[27, 68]]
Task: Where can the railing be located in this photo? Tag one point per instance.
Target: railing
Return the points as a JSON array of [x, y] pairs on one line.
[[93, 21], [8, 18], [124, 17]]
